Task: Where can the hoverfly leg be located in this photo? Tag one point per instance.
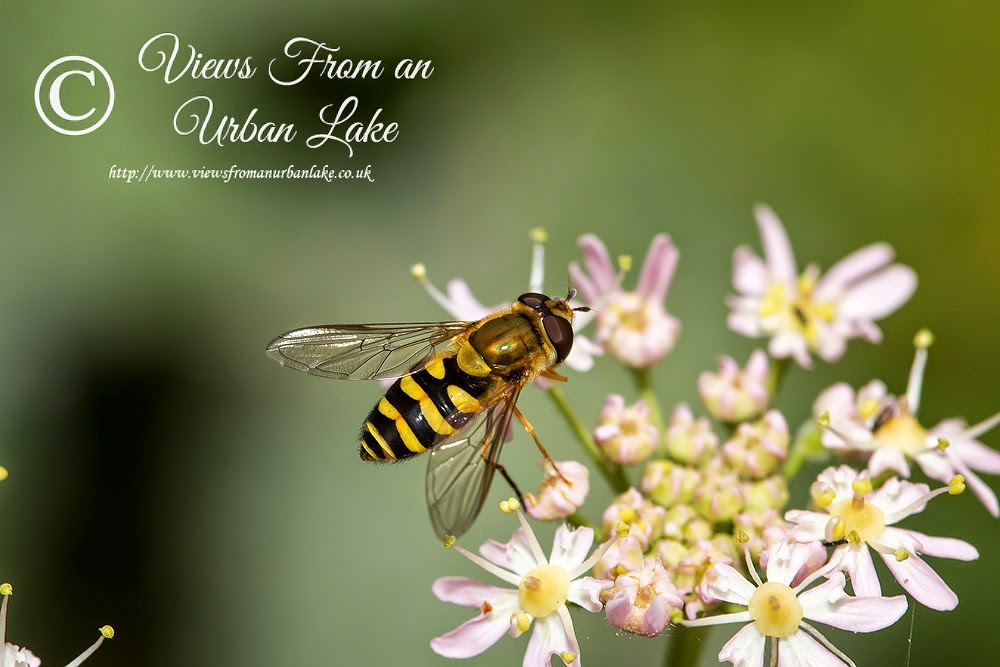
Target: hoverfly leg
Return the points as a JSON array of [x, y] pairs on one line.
[[552, 375], [835, 543], [538, 443], [510, 481]]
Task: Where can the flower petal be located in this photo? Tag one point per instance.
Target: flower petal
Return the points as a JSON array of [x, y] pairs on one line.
[[467, 592], [745, 649], [726, 583], [463, 304], [879, 295], [777, 248], [515, 555], [799, 649], [749, 272], [658, 268], [785, 560], [829, 604], [942, 547], [852, 268], [977, 456], [922, 582], [857, 561], [979, 488], [598, 262], [551, 635], [888, 458], [586, 592], [472, 637], [570, 547]]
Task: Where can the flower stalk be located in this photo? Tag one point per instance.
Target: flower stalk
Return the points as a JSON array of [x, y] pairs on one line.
[[614, 474]]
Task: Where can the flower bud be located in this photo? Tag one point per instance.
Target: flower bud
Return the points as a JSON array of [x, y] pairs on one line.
[[756, 448], [733, 394], [766, 493], [720, 497], [624, 555], [624, 433], [644, 519], [754, 522], [690, 441], [556, 499], [642, 600], [667, 483]]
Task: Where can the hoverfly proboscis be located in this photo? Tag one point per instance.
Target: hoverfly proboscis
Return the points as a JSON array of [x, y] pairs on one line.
[[455, 391]]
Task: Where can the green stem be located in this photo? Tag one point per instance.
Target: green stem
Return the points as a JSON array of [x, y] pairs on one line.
[[581, 522], [777, 370], [644, 385], [684, 647], [808, 444], [612, 472]]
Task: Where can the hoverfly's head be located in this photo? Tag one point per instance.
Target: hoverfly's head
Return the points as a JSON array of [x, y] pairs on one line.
[[557, 319]]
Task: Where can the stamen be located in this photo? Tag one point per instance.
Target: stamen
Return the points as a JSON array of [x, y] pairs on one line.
[[624, 263], [520, 620], [836, 529], [507, 576], [510, 505], [824, 419], [973, 432], [862, 485], [901, 554], [922, 341], [6, 590], [448, 540], [3, 473], [959, 485], [419, 273], [539, 237], [595, 557], [622, 529], [943, 444], [818, 636], [536, 548], [107, 632], [956, 485], [567, 656], [751, 568]]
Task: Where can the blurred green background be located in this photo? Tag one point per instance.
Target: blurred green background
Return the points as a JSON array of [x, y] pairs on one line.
[[167, 479]]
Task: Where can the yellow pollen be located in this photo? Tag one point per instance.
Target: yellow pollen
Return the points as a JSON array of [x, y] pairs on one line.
[[837, 528], [924, 339], [6, 589], [902, 432], [825, 498], [676, 615], [943, 444], [868, 408], [628, 514], [644, 597], [107, 631], [862, 485], [3, 473], [956, 485], [543, 590], [418, 271], [775, 610], [619, 570], [824, 419], [538, 235], [807, 282], [741, 536], [774, 300], [864, 520], [505, 507], [514, 504], [622, 529], [448, 541], [625, 263], [853, 537], [522, 620], [567, 656], [901, 554]]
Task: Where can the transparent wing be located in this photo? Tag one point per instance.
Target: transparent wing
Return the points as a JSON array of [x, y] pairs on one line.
[[460, 470], [362, 351]]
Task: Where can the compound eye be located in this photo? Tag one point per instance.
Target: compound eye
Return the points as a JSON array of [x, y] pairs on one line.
[[560, 333], [533, 300]]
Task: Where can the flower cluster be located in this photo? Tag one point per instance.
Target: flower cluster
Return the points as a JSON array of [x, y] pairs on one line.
[[701, 506]]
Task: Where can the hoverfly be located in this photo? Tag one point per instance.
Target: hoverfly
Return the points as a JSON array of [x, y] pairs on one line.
[[455, 391]]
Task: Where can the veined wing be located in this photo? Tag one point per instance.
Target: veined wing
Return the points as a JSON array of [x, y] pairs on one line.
[[460, 470], [362, 351]]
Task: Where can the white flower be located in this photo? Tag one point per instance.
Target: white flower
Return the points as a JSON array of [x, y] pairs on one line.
[[863, 518], [462, 305], [777, 611], [886, 427], [736, 394], [643, 600], [542, 589], [806, 313]]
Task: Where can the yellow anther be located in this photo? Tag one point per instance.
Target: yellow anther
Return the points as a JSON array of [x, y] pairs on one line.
[[741, 536], [514, 504], [837, 528], [568, 656], [676, 615], [924, 339], [853, 537], [628, 514], [418, 271], [625, 263], [520, 619], [862, 485], [956, 485], [505, 507], [868, 408], [901, 554], [619, 570], [6, 589], [448, 540], [107, 631], [825, 498], [943, 444], [824, 419], [622, 529], [539, 235], [3, 473]]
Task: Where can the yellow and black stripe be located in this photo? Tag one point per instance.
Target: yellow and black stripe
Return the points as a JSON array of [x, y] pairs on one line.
[[415, 412]]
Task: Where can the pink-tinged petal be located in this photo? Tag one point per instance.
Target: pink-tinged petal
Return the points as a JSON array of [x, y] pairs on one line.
[[581, 357], [977, 456], [745, 649], [852, 268], [583, 284], [777, 248], [830, 345], [472, 637], [467, 592], [979, 488], [745, 323], [895, 496], [586, 592], [837, 399], [829, 604], [598, 263], [749, 272], [570, 547], [727, 584], [940, 547], [799, 649], [809, 526], [465, 306], [888, 458], [785, 344], [552, 634], [785, 561], [856, 560], [658, 268], [922, 582], [935, 465], [879, 295], [515, 555]]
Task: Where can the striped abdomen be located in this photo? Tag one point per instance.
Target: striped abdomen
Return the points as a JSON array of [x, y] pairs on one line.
[[414, 413]]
